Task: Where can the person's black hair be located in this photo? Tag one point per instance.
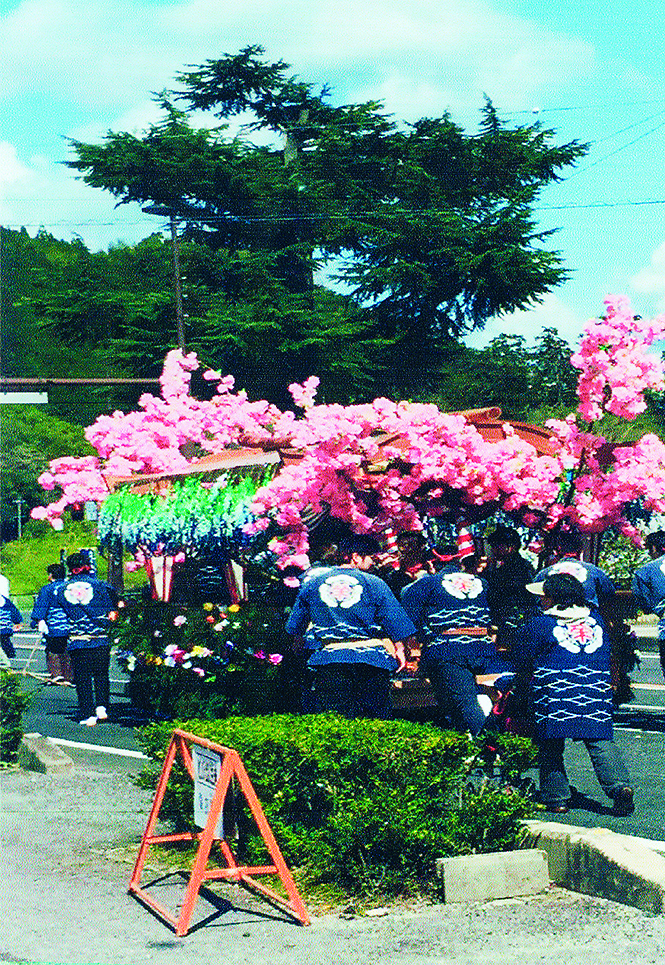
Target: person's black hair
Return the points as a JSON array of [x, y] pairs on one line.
[[505, 536], [76, 561], [56, 570], [363, 545], [656, 540], [416, 535], [564, 590], [569, 541]]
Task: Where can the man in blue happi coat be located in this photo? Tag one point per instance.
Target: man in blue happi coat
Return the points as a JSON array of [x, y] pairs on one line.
[[451, 612], [599, 589], [648, 585], [90, 605], [357, 633], [52, 621]]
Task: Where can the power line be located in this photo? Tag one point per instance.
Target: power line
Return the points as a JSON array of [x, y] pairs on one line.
[[612, 153], [277, 219], [586, 107], [630, 127]]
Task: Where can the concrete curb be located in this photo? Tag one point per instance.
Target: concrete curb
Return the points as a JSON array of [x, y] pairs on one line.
[[602, 863], [40, 754]]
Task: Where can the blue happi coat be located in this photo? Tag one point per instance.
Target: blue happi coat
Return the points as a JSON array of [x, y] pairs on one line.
[[567, 652], [599, 589], [446, 601], [649, 590], [338, 604], [87, 602], [9, 615], [48, 609]]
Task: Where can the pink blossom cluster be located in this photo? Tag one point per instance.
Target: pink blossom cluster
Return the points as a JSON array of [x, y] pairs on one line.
[[304, 395], [369, 464], [151, 439], [339, 470], [615, 365]]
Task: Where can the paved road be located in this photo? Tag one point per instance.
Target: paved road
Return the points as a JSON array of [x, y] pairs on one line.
[[640, 734]]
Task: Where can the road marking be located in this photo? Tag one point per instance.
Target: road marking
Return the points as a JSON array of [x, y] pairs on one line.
[[119, 751], [647, 686], [636, 730], [640, 708]]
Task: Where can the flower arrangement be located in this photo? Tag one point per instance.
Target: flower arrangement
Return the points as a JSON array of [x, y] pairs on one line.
[[206, 660]]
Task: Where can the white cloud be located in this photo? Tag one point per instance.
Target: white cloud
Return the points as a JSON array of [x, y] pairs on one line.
[[650, 280], [39, 193]]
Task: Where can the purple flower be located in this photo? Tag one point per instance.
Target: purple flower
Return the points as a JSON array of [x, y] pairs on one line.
[[275, 658], [260, 654]]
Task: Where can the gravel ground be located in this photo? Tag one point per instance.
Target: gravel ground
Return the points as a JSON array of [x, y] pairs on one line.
[[68, 847]]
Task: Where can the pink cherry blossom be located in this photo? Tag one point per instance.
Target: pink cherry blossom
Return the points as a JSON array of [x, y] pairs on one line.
[[584, 481]]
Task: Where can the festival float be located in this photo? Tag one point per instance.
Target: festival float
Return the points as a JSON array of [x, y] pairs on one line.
[[237, 485]]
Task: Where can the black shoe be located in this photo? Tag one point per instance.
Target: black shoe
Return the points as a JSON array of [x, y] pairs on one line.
[[557, 808], [623, 802]]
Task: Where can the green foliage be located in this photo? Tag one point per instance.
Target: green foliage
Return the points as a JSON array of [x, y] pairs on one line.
[[367, 805], [619, 557], [13, 701], [30, 439], [24, 561], [430, 229], [534, 383]]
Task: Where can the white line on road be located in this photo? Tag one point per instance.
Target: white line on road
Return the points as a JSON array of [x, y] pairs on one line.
[[119, 751]]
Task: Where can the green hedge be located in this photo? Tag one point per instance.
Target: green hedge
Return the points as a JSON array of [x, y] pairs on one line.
[[13, 701], [366, 805]]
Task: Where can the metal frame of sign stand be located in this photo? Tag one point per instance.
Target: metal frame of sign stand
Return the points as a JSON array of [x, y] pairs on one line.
[[231, 766]]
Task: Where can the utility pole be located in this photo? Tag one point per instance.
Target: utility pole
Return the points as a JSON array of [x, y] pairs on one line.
[[177, 285], [19, 503]]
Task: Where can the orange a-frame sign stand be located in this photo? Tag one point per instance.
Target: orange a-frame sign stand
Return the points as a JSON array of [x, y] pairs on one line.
[[231, 766]]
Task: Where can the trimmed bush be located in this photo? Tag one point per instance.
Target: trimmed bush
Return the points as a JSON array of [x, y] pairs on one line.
[[13, 701], [367, 805]]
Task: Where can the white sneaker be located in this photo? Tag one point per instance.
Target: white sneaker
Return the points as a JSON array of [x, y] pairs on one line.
[[89, 722], [101, 713]]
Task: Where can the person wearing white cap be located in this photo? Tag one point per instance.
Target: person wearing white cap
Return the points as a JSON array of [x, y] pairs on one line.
[[563, 659]]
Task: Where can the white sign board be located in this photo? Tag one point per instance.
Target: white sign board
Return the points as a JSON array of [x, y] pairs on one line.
[[23, 398], [207, 768]]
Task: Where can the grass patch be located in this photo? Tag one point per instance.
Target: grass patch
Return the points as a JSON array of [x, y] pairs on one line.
[[24, 561]]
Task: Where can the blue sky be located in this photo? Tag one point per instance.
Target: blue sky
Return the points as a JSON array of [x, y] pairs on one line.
[[594, 72]]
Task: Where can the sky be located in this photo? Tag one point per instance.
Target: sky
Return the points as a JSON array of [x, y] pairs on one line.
[[593, 72]]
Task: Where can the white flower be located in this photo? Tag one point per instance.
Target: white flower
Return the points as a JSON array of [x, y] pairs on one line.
[[78, 592], [462, 586], [341, 590]]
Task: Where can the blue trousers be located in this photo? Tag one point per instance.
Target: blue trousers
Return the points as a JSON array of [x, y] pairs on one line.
[[610, 769], [453, 677], [91, 667], [352, 690]]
